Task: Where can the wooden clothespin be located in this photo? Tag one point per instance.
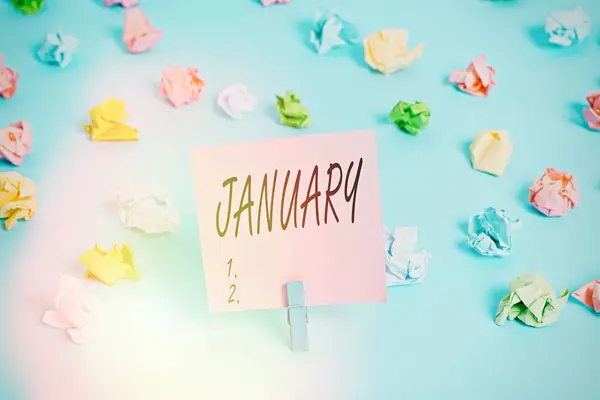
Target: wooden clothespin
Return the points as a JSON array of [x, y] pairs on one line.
[[297, 316]]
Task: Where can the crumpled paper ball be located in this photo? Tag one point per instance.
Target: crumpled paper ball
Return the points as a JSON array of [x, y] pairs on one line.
[[567, 27], [15, 142], [108, 122], [139, 35], [75, 311], [490, 232], [386, 50], [411, 118], [403, 265], [532, 300], [592, 114], [235, 100], [589, 294], [58, 49], [477, 79], [555, 193], [8, 80], [491, 151], [109, 266], [148, 208], [330, 30], [181, 85], [16, 198], [292, 113], [28, 7]]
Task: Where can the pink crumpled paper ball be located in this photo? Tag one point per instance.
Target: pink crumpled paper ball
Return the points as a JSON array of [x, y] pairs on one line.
[[592, 114], [8, 80], [181, 85], [139, 35], [477, 79], [15, 142], [555, 193]]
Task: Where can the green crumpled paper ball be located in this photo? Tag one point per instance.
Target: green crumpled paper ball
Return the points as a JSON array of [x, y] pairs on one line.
[[293, 113], [410, 117], [29, 7], [532, 300]]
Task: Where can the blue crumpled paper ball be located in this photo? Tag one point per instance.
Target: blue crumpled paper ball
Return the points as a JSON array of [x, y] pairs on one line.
[[490, 232], [58, 49], [404, 265], [331, 30], [568, 27]]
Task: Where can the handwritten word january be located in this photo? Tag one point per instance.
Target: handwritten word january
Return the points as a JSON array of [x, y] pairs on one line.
[[288, 197]]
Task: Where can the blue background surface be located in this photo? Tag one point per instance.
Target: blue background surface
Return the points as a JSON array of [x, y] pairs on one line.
[[436, 340]]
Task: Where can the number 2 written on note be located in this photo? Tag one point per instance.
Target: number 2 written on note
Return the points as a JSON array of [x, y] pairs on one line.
[[231, 299], [232, 287]]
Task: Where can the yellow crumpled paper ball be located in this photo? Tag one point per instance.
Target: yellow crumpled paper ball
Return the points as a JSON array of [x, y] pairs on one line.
[[386, 50], [16, 198], [491, 151], [108, 266]]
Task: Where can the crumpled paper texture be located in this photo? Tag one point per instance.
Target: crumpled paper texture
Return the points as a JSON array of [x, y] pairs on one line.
[[568, 27], [138, 33], [58, 49], [477, 79], [490, 233], [532, 300], [8, 80], [404, 265], [109, 266], [292, 113], [181, 85], [386, 50], [330, 30], [17, 199], [592, 114], [236, 100], [122, 3], [15, 142], [555, 193], [75, 313], [108, 123], [148, 208], [589, 294], [491, 151], [410, 117], [28, 7]]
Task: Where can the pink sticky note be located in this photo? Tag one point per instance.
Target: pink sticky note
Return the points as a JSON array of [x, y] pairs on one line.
[[333, 245], [589, 294], [138, 33]]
